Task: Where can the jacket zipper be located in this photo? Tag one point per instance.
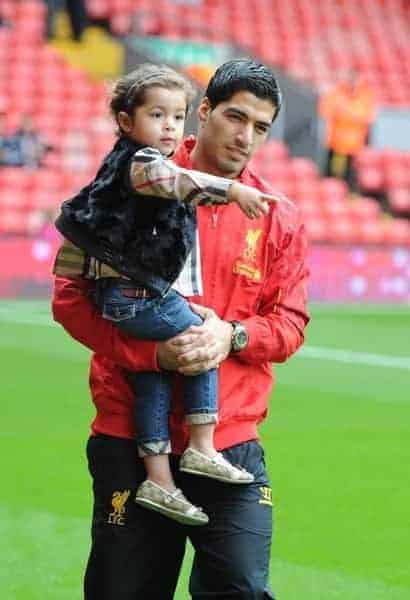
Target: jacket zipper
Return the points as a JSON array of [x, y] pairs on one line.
[[212, 241], [278, 297], [214, 216]]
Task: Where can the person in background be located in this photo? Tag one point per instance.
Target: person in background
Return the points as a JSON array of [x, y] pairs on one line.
[[10, 148], [255, 280], [24, 147], [3, 140], [348, 110], [32, 147], [77, 14]]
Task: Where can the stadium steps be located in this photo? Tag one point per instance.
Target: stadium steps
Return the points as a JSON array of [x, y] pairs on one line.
[[99, 54]]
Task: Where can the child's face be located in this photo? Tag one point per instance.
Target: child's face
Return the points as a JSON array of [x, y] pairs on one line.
[[160, 121]]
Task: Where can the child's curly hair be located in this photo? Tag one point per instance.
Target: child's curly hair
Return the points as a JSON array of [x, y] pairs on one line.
[[129, 91]]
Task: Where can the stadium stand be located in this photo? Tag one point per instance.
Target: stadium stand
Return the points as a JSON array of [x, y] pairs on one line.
[[314, 41], [330, 212], [386, 173], [69, 107], [317, 43]]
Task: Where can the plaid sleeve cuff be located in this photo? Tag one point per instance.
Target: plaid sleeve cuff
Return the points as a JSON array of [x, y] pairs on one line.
[[216, 191]]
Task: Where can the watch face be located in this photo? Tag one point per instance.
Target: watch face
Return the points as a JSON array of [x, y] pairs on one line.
[[239, 338]]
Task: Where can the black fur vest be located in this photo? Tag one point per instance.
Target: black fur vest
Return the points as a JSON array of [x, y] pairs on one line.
[[142, 237]]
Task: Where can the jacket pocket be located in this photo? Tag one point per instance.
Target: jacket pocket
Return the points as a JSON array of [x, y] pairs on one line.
[[248, 297]]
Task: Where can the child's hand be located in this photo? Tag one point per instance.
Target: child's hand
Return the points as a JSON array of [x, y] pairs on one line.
[[251, 201]]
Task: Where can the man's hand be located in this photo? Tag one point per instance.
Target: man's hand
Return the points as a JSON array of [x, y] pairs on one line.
[[199, 348]]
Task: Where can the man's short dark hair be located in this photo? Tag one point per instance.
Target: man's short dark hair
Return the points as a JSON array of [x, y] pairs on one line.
[[244, 75]]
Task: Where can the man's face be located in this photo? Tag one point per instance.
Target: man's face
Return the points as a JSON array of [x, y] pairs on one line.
[[231, 133]]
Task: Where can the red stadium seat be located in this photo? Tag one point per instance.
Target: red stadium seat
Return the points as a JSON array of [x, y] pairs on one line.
[[13, 221], [308, 190], [304, 168], [364, 208], [317, 229], [46, 199], [370, 179], [30, 8], [332, 188], [310, 209], [342, 230], [399, 200], [397, 232], [13, 179], [49, 124], [13, 198], [98, 9], [274, 150], [397, 176], [370, 231], [46, 180], [335, 207]]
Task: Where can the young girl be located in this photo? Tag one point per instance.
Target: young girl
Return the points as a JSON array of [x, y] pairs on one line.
[[137, 222]]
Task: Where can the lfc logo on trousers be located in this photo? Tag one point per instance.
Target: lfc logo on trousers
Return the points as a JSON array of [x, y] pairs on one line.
[[118, 500]]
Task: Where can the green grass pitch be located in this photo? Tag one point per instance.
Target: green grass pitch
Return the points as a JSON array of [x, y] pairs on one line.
[[337, 441]]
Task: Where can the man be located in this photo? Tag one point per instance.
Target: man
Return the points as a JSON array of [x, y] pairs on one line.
[[254, 279], [348, 110], [77, 13]]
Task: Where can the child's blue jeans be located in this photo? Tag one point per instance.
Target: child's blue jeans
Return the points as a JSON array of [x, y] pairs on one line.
[[158, 318]]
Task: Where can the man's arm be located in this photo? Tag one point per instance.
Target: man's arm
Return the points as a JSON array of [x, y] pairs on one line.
[[277, 331], [73, 309]]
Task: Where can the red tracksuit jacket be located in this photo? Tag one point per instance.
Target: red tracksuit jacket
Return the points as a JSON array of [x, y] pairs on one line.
[[254, 272]]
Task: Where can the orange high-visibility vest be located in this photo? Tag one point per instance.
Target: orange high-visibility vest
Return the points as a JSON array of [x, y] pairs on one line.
[[348, 113]]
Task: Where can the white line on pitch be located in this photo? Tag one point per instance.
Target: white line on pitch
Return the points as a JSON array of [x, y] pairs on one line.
[[355, 358], [42, 319], [320, 352]]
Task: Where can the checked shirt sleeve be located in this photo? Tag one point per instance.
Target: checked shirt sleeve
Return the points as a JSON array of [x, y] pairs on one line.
[[153, 175]]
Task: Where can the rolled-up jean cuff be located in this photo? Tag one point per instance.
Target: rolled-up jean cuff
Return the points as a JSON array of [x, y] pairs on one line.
[[154, 448], [201, 418]]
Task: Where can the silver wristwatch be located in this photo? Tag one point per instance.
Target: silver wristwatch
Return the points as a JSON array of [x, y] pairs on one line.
[[240, 337]]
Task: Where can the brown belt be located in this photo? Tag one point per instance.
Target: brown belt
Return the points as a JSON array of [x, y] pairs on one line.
[[138, 293]]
